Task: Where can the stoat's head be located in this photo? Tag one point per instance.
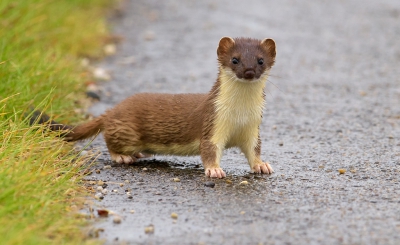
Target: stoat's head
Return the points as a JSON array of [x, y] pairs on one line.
[[246, 58]]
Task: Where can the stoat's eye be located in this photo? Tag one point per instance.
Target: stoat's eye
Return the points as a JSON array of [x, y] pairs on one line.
[[260, 61], [235, 61]]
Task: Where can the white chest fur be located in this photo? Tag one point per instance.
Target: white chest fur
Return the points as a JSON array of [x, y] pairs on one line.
[[239, 107]]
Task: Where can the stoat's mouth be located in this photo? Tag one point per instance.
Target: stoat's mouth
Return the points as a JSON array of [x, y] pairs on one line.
[[244, 80], [229, 75]]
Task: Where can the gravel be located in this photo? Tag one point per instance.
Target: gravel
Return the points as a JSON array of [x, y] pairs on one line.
[[332, 103]]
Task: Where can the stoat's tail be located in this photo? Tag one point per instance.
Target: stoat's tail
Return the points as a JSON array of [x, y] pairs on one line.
[[80, 132], [85, 130]]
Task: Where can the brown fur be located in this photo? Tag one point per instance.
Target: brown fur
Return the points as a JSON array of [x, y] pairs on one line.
[[186, 124]]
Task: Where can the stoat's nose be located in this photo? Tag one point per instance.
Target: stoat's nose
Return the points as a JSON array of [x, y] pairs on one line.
[[249, 74]]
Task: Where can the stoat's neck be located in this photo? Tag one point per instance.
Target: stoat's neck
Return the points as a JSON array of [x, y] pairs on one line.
[[240, 96], [238, 109]]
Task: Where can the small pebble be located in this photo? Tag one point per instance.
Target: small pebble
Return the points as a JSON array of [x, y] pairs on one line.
[[353, 171], [132, 211], [116, 191], [104, 191], [99, 188], [176, 180], [107, 167], [144, 169], [242, 212], [83, 153], [97, 171], [110, 49], [93, 95], [101, 74], [85, 62], [100, 182], [174, 215], [99, 196], [281, 143], [92, 87], [244, 182], [153, 16], [103, 212], [342, 171], [149, 35], [121, 184], [126, 181], [228, 181], [149, 229], [117, 219], [94, 233], [210, 184], [130, 197]]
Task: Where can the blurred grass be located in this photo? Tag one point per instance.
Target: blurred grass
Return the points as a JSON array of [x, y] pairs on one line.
[[41, 42]]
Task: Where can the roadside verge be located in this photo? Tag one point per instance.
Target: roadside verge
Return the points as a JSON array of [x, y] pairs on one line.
[[41, 45]]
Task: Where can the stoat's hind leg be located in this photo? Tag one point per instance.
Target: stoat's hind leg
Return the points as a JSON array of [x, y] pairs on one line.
[[142, 155], [120, 158], [127, 159], [122, 138]]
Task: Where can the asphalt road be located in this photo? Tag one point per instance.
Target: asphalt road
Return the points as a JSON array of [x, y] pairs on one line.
[[333, 102]]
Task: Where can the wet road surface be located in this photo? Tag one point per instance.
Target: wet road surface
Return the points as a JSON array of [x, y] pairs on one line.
[[333, 102]]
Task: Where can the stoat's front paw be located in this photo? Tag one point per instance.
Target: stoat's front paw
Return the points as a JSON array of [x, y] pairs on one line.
[[215, 173], [264, 168]]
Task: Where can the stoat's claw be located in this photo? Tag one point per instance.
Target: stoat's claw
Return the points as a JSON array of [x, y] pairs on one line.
[[215, 173], [264, 168]]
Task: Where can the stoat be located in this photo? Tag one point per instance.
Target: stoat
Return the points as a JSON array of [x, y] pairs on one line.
[[194, 124]]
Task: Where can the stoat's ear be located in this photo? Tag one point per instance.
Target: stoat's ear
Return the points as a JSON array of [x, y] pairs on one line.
[[225, 44], [269, 46]]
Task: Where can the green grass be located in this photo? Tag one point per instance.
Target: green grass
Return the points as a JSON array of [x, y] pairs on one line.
[[41, 42]]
